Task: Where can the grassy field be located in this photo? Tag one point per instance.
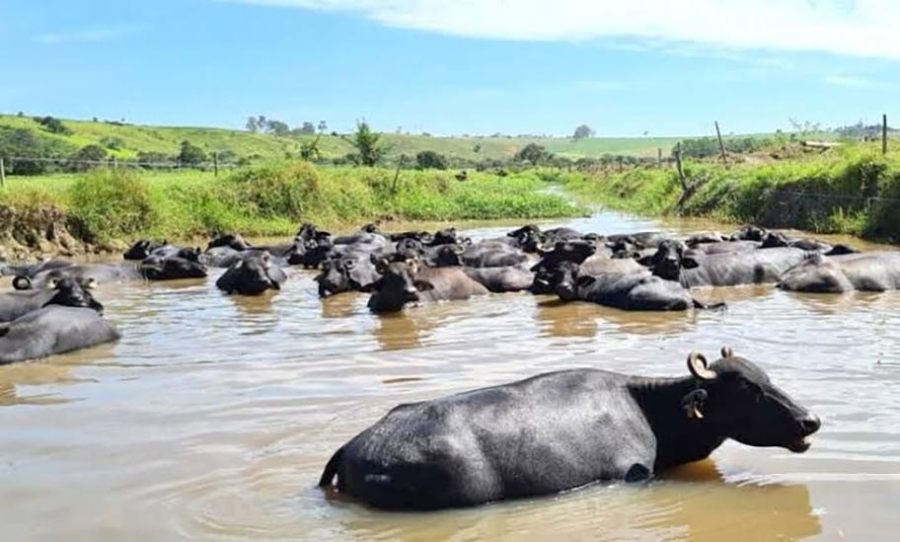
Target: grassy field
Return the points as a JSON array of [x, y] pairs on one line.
[[853, 189], [244, 144], [114, 206]]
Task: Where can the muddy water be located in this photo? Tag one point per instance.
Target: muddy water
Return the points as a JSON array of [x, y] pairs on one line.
[[213, 417]]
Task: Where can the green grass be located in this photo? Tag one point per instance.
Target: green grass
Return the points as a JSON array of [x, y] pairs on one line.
[[244, 144], [114, 206], [826, 193]]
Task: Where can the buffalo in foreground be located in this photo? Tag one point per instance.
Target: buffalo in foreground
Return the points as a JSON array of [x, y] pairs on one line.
[[562, 430]]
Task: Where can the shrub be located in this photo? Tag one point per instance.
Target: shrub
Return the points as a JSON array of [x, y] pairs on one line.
[[108, 204], [53, 125], [113, 143], [85, 158], [191, 155], [431, 160], [274, 190]]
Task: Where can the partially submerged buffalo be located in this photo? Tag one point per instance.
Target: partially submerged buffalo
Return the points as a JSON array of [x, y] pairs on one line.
[[154, 268], [67, 291], [402, 283], [867, 271], [562, 430], [53, 330], [632, 291], [252, 275]]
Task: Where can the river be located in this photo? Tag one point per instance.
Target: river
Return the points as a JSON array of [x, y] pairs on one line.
[[214, 415]]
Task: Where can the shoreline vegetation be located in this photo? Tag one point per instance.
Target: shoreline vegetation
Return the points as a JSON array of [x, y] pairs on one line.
[[852, 189], [107, 208]]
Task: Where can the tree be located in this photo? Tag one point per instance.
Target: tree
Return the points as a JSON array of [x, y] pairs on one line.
[[308, 128], [278, 128], [191, 155], [252, 125], [53, 125], [583, 131], [533, 153], [369, 148], [431, 160], [323, 127]]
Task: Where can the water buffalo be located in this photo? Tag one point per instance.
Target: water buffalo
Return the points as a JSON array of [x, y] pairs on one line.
[[501, 279], [252, 275], [562, 430], [775, 239], [233, 241], [154, 268], [548, 277], [403, 283], [867, 271], [142, 249], [494, 254], [53, 330], [727, 247], [67, 291], [694, 269], [353, 272], [639, 291]]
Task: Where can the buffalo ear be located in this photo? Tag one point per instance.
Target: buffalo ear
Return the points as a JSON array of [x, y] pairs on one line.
[[727, 352], [698, 367], [423, 285], [689, 262], [90, 283], [584, 281], [693, 403]]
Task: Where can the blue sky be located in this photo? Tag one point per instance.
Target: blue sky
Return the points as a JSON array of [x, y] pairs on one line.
[[456, 66]]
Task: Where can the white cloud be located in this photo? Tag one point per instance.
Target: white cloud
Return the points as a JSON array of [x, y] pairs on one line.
[[849, 27], [85, 36]]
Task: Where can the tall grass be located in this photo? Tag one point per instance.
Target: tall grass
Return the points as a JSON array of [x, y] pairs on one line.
[[117, 205], [852, 189]]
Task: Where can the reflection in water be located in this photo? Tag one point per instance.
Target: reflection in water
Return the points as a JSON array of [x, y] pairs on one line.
[[214, 415]]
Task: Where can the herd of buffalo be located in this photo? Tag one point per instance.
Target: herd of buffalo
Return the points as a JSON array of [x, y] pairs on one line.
[[546, 434]]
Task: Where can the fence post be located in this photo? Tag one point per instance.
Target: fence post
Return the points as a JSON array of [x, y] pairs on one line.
[[115, 163], [721, 145], [2, 172], [884, 129], [678, 165], [216, 163], [659, 157]]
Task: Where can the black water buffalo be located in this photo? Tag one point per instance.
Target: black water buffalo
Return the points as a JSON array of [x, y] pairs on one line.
[[647, 239], [640, 291], [142, 249], [562, 430], [548, 277], [501, 279], [252, 275], [774, 239], [154, 268], [750, 232], [867, 271], [495, 254], [233, 241], [694, 269], [403, 283], [53, 330], [353, 272], [67, 291]]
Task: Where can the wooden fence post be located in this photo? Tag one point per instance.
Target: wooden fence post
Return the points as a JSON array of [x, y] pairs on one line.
[[721, 144], [659, 157], [216, 163], [678, 165], [2, 172], [115, 163], [884, 130], [397, 173]]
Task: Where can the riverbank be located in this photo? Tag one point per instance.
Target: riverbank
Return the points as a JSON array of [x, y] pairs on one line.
[[851, 190], [105, 209]]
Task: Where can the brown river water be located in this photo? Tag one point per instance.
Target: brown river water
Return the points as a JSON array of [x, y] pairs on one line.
[[214, 415]]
